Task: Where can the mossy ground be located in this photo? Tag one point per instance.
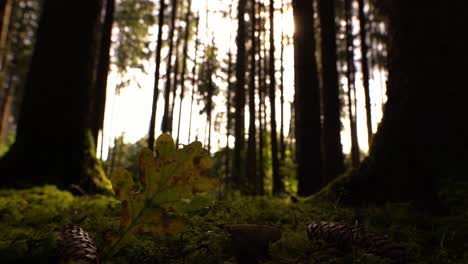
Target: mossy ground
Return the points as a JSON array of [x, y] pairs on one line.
[[28, 219]]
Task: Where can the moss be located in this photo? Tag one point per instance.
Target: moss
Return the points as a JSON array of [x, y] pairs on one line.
[[95, 179], [28, 219]]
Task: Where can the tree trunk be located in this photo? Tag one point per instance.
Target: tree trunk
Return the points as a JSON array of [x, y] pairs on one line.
[[98, 102], [307, 101], [282, 144], [52, 125], [350, 74], [166, 126], [365, 67], [184, 65], [252, 143], [261, 96], [151, 133], [194, 76], [278, 185], [421, 138], [333, 151], [175, 80], [239, 99]]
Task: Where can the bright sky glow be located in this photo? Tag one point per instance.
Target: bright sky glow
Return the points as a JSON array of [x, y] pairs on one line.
[[128, 113]]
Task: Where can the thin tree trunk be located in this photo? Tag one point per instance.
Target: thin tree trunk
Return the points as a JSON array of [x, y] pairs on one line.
[[261, 96], [365, 67], [278, 185], [333, 152], [307, 100], [151, 134], [98, 104], [166, 125], [228, 108], [282, 143], [184, 65], [251, 146], [240, 92], [355, 155], [175, 80], [194, 79]]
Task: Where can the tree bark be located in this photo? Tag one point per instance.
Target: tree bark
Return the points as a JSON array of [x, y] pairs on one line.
[[51, 131], [166, 125], [333, 151], [152, 126], [421, 135], [252, 143], [350, 75], [239, 99], [278, 185], [282, 144], [307, 101], [184, 66], [365, 67], [98, 103]]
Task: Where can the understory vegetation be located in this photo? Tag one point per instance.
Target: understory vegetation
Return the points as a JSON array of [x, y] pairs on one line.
[[30, 219]]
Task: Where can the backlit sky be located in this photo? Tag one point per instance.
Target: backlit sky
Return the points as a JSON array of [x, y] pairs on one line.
[[129, 112]]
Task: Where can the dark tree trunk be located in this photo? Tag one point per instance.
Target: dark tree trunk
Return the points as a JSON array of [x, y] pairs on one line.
[[51, 131], [175, 80], [333, 151], [239, 99], [365, 67], [421, 134], [252, 143], [307, 101], [184, 66], [194, 75], [261, 96], [278, 185], [151, 133], [350, 74], [166, 125], [282, 144], [98, 102]]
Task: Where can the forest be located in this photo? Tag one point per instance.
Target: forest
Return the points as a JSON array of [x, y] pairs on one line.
[[244, 131]]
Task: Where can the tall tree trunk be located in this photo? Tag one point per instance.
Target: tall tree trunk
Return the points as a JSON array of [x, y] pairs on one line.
[[278, 185], [365, 67], [307, 101], [333, 151], [166, 125], [228, 115], [251, 168], [151, 133], [184, 66], [421, 134], [261, 96], [282, 144], [98, 103], [194, 75], [53, 119], [350, 71], [175, 80], [239, 99]]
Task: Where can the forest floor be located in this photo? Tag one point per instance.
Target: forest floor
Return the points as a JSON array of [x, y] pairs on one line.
[[29, 218]]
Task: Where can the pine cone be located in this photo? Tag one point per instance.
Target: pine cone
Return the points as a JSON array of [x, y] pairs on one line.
[[345, 236], [76, 245]]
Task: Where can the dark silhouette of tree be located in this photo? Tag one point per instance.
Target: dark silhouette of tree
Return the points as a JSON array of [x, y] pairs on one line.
[[365, 67], [98, 101], [53, 116], [194, 79], [151, 134], [332, 148], [350, 74], [239, 99], [307, 101], [175, 79], [421, 133], [166, 125], [282, 143], [278, 185], [184, 64], [261, 68], [251, 168]]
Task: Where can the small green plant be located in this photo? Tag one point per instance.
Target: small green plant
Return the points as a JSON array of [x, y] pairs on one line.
[[168, 179]]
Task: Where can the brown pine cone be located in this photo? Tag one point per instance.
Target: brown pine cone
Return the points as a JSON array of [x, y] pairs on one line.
[[76, 245]]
